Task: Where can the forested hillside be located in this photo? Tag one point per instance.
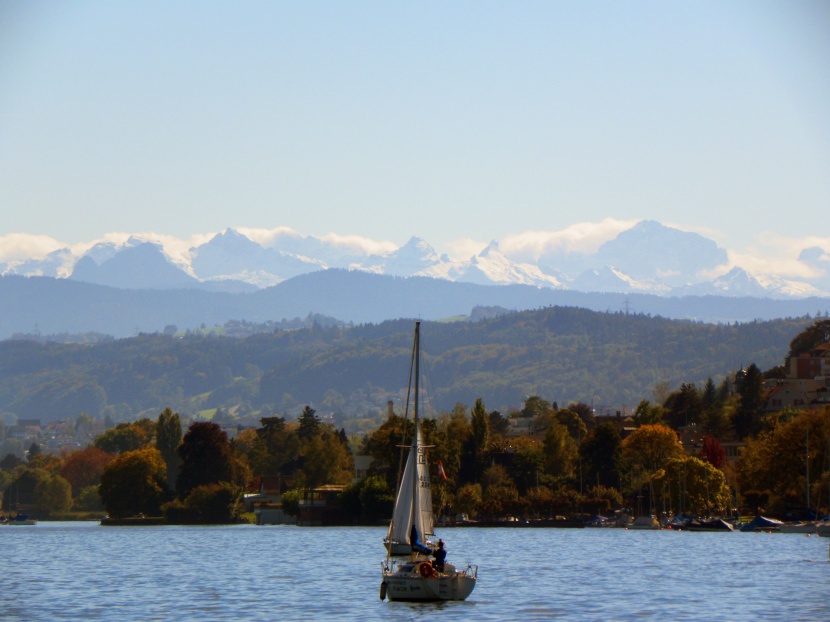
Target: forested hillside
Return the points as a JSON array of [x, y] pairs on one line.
[[561, 354]]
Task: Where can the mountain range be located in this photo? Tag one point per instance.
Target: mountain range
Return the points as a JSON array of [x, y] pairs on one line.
[[648, 258]]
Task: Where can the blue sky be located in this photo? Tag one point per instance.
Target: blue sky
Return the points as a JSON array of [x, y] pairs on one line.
[[460, 122]]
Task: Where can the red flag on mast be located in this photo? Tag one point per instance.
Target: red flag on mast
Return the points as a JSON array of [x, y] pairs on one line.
[[441, 473]]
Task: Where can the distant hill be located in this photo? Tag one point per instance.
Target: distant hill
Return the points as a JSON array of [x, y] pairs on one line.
[[49, 306], [562, 354]]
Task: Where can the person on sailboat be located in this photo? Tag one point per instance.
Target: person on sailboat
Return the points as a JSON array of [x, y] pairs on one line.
[[415, 543], [440, 555]]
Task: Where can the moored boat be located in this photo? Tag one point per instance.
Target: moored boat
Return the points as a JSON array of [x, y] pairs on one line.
[[645, 522], [762, 523], [713, 524], [22, 519], [800, 527]]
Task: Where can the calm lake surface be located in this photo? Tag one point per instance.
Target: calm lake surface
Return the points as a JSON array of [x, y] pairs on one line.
[[82, 571]]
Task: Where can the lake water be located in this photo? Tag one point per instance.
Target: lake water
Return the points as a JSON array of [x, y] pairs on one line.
[[82, 571]]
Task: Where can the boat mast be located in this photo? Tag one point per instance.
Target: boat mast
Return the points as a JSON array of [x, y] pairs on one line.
[[807, 463], [416, 484]]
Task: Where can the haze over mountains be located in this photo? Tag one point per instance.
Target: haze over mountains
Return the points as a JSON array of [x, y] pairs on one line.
[[648, 258]]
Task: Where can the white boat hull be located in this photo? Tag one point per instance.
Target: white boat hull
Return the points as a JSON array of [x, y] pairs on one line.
[[407, 584]]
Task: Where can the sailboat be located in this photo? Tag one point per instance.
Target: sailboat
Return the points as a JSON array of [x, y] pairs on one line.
[[409, 513], [415, 578]]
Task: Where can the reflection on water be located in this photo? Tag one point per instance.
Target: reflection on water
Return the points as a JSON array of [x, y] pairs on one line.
[[81, 571]]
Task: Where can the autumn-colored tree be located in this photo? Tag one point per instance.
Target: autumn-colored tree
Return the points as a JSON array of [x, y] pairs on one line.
[[126, 437], [134, 483], [694, 485], [809, 338], [83, 468], [494, 476], [650, 447], [467, 500], [535, 406], [777, 460], [573, 422], [499, 500], [713, 452]]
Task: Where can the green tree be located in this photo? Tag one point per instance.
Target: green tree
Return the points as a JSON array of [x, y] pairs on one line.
[[309, 424], [34, 451], [384, 445], [499, 424], [560, 451], [21, 491], [168, 439], [527, 465], [326, 460], [206, 458], [377, 500], [83, 423], [134, 483], [88, 500], [480, 425], [209, 504], [747, 418], [646, 414], [684, 407], [53, 494], [277, 448], [601, 454]]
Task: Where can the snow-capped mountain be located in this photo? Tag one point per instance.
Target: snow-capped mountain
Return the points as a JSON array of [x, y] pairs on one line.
[[415, 258], [231, 255], [491, 266], [610, 279], [647, 258], [57, 264], [650, 251]]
